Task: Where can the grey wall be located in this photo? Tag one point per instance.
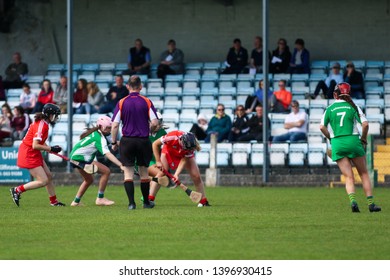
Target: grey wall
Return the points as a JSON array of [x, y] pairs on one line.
[[204, 30]]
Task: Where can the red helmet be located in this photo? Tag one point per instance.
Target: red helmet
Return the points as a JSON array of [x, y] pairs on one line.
[[343, 88]]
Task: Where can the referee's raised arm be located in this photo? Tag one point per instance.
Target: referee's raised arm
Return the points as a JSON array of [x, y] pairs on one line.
[[137, 114]]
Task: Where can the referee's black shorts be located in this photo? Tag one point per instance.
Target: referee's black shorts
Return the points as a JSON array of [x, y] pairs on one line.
[[135, 148]]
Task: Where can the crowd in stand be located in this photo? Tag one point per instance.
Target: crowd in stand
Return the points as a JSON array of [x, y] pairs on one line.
[[247, 122]]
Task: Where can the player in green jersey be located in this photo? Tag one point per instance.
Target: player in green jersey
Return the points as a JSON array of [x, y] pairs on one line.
[[91, 142], [339, 124]]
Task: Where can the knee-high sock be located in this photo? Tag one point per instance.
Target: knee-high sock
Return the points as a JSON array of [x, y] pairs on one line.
[[129, 187], [145, 186]]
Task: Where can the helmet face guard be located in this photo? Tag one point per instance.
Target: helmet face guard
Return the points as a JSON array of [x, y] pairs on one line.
[[188, 141], [53, 111]]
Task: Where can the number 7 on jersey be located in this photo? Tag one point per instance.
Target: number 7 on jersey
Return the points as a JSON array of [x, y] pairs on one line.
[[342, 114]]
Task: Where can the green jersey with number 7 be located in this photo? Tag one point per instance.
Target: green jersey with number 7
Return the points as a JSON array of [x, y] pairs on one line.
[[343, 119]]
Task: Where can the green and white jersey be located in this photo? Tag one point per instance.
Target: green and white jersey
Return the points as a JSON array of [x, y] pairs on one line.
[[342, 118], [85, 150]]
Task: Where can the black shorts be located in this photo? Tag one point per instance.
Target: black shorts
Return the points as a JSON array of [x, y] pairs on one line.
[[135, 148]]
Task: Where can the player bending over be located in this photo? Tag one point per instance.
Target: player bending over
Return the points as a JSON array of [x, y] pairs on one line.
[[177, 153], [30, 156], [92, 141]]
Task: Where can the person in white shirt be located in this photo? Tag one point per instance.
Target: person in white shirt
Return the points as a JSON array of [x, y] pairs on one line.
[[296, 123], [335, 77], [28, 99]]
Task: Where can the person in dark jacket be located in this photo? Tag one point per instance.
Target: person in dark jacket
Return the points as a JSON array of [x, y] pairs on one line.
[[255, 125], [355, 79], [240, 124], [139, 59], [114, 94], [237, 58], [300, 60], [280, 59]]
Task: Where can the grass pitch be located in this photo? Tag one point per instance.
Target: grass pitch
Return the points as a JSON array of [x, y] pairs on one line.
[[243, 223]]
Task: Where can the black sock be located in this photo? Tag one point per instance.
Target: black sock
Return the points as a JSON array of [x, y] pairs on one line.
[[129, 187], [145, 186]]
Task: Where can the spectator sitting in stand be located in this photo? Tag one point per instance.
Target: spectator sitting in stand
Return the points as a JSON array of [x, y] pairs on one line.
[[355, 79], [95, 98], [327, 86], [281, 99], [5, 122], [296, 123], [199, 129], [240, 124], [171, 61], [45, 96], [237, 58], [80, 97], [61, 94], [139, 59], [300, 60], [16, 73], [256, 61], [255, 125], [19, 123], [28, 99], [220, 124], [281, 58], [257, 98], [115, 93]]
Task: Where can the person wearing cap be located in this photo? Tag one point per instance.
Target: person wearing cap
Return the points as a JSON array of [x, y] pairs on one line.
[[327, 86], [300, 59], [200, 128], [296, 124], [138, 117], [355, 79], [237, 58]]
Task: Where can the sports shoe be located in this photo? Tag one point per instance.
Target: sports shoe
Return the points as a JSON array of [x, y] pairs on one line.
[[15, 196], [206, 204], [150, 205], [77, 203], [355, 208], [131, 207], [104, 202], [59, 204], [374, 208]]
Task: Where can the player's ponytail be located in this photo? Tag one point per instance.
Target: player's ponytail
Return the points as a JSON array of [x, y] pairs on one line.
[[88, 131], [348, 99]]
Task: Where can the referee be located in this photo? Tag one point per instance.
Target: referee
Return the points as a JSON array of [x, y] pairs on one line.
[[135, 112]]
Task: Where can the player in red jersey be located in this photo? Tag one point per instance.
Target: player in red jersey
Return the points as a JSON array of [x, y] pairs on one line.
[[30, 156], [177, 153]]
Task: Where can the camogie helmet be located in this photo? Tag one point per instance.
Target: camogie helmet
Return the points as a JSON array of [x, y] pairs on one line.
[[51, 110], [188, 140], [103, 122], [343, 89]]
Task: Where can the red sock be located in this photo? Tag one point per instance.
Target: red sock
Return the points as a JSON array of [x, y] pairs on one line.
[[20, 189], [203, 200], [151, 197], [53, 199]]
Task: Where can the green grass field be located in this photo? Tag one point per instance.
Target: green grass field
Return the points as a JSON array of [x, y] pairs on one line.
[[243, 223]]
